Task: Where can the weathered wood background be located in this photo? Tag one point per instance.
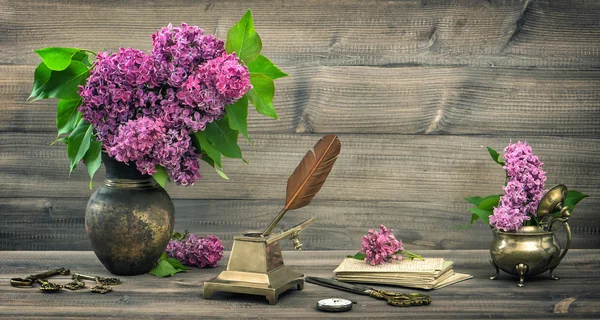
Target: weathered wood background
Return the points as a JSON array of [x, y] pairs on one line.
[[414, 89]]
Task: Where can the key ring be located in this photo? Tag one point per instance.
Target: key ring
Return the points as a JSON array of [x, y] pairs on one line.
[[20, 282]]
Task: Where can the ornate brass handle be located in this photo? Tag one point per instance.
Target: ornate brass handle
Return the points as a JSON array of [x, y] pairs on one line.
[[564, 217], [401, 299]]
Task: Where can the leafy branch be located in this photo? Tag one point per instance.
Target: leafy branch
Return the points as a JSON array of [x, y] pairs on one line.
[[59, 76], [221, 137]]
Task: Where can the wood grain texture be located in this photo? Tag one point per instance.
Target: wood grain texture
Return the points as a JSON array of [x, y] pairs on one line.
[[148, 297], [413, 88], [58, 223], [307, 33], [407, 100], [369, 167]]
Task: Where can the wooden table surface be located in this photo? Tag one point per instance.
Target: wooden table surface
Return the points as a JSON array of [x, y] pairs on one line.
[[576, 295]]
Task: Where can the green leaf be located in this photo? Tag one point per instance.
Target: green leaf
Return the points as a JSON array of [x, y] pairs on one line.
[[63, 140], [489, 202], [40, 79], [411, 255], [211, 162], [221, 173], [496, 156], [479, 201], [92, 158], [237, 114], [573, 197], [166, 267], [78, 143], [178, 236], [484, 215], [160, 175], [223, 138], [474, 218], [82, 57], [474, 200], [64, 84], [163, 269], [176, 264], [67, 115], [56, 58], [262, 65], [358, 256], [261, 95], [207, 148], [243, 39], [206, 158]]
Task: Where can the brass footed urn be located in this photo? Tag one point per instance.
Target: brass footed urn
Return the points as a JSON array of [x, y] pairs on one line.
[[533, 250]]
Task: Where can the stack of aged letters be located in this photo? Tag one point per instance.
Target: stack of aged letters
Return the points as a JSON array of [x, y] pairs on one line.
[[431, 273]]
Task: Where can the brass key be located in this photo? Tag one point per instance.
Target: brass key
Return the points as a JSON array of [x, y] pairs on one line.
[[28, 281], [46, 286], [101, 280], [76, 284], [102, 283], [101, 288]]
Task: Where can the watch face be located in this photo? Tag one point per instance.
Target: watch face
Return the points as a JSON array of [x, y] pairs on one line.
[[334, 304]]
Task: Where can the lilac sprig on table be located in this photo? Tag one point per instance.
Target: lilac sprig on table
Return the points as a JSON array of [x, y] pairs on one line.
[[164, 110], [523, 190], [195, 251], [188, 250], [382, 246]]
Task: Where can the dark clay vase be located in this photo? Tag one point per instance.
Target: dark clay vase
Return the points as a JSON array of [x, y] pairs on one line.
[[129, 219]]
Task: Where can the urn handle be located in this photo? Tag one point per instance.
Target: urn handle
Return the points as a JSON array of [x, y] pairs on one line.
[[554, 201], [564, 217]]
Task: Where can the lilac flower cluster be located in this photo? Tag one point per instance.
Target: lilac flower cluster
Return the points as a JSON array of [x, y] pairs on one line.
[[195, 251], [380, 247], [116, 89], [524, 188], [144, 107], [179, 51]]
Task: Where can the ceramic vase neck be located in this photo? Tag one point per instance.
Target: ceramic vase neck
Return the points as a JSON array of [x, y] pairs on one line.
[[120, 170], [123, 175]]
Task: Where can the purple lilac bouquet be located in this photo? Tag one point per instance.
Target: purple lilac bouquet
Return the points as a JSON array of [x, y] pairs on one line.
[[382, 246], [523, 191], [164, 110], [195, 251]]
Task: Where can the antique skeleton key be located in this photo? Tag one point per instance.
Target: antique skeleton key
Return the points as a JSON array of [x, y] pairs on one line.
[[28, 281], [101, 280], [46, 286], [102, 283], [76, 284]]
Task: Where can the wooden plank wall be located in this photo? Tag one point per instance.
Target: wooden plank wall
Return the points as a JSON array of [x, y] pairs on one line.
[[414, 89]]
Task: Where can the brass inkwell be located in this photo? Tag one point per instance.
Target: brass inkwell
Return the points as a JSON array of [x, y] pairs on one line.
[[256, 264]]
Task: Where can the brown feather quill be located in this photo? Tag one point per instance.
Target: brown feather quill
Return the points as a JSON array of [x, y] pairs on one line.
[[309, 176]]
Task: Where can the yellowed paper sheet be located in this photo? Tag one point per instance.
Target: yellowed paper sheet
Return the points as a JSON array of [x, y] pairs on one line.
[[427, 265]]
